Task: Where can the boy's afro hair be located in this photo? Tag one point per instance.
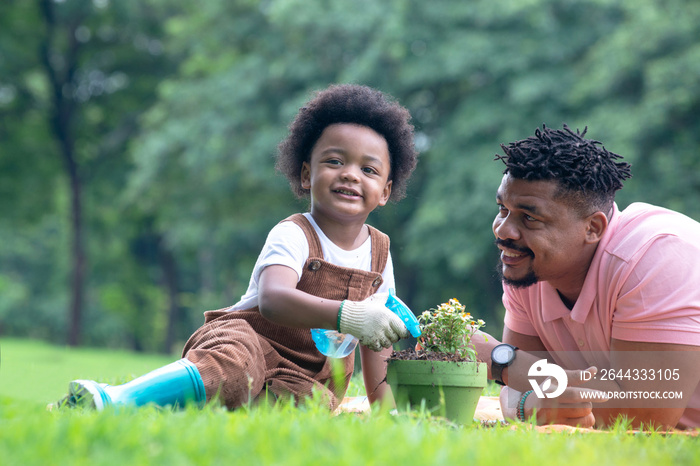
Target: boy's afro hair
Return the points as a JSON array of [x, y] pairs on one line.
[[354, 104]]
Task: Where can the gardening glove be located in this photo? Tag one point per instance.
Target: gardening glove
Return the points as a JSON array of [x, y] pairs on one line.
[[371, 322]]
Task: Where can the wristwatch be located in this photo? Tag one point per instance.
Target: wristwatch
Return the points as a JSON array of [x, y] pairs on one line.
[[502, 356]]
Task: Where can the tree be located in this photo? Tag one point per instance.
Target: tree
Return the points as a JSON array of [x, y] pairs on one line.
[[60, 68], [642, 98], [78, 75]]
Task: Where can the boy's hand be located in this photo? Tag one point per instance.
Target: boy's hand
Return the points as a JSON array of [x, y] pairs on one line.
[[372, 323]]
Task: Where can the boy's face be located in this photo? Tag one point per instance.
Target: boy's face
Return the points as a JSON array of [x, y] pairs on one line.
[[348, 173]]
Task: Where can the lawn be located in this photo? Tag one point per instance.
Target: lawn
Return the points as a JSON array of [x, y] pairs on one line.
[[33, 374]]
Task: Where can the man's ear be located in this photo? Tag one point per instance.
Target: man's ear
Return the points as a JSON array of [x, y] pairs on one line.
[[597, 224], [305, 176]]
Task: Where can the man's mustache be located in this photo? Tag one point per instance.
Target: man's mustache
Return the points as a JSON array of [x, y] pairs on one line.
[[509, 244]]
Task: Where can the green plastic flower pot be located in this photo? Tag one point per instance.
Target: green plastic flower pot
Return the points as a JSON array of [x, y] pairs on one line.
[[445, 388]]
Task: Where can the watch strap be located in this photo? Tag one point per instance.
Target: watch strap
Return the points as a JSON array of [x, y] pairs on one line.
[[497, 368], [497, 373]]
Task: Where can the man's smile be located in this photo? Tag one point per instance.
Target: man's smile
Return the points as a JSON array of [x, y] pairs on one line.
[[512, 254], [511, 259], [515, 260]]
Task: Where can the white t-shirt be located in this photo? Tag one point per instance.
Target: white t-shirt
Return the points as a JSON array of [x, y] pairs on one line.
[[286, 245]]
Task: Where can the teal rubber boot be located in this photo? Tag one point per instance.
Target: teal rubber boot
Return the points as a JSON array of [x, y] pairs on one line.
[[174, 385]]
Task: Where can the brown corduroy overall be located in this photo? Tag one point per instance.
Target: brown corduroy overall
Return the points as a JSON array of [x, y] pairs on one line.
[[240, 353]]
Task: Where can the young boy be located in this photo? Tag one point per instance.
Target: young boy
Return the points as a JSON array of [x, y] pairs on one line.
[[350, 150]]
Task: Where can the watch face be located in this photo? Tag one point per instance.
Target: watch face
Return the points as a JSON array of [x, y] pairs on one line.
[[502, 354]]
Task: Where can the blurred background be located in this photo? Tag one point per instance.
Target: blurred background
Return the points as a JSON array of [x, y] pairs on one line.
[[137, 140]]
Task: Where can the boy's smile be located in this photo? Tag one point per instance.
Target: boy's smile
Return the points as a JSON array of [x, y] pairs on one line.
[[348, 174]]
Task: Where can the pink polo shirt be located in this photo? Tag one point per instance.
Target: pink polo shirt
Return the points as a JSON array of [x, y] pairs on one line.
[[643, 285]]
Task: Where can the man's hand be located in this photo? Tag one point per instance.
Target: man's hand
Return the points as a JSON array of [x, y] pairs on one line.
[[572, 407], [372, 323]]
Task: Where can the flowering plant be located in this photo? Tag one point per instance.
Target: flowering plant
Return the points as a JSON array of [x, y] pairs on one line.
[[449, 329]]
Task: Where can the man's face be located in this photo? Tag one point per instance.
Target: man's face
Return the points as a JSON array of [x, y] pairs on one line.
[[540, 237]]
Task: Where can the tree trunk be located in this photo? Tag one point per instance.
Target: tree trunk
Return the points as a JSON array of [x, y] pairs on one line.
[[78, 250], [60, 74]]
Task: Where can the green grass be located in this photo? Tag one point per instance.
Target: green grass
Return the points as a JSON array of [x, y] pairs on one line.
[[37, 372], [32, 374]]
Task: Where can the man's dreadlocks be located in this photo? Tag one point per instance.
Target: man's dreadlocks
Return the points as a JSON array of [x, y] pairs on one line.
[[586, 172]]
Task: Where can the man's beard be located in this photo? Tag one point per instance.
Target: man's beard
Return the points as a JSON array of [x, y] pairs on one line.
[[528, 280], [530, 277]]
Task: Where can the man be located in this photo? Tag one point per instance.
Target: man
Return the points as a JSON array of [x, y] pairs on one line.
[[585, 284]]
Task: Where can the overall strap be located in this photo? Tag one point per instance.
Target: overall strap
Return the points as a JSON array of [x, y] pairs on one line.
[[315, 249], [380, 249]]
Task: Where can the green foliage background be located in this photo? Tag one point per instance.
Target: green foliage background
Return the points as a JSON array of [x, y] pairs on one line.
[[178, 107]]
